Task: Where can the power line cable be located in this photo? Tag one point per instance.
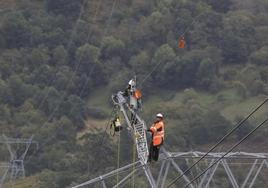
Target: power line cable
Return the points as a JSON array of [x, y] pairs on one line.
[[104, 134], [76, 69], [238, 125], [68, 47], [150, 73], [104, 34], [71, 78], [231, 149], [182, 34]]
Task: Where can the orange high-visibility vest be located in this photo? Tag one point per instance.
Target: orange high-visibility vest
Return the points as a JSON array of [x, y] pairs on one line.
[[158, 130], [137, 94]]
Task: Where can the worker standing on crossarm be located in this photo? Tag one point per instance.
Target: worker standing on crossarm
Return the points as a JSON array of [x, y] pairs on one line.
[[158, 134]]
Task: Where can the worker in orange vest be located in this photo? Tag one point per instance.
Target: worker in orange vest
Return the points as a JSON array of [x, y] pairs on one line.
[[134, 100], [134, 95], [158, 134]]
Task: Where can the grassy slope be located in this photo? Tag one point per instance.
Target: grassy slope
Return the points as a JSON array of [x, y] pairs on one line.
[[28, 182], [227, 101], [231, 105]]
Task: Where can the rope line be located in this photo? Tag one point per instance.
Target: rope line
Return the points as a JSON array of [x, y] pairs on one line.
[[118, 156], [133, 161]]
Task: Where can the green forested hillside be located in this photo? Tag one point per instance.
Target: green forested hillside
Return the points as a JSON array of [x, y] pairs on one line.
[[60, 60]]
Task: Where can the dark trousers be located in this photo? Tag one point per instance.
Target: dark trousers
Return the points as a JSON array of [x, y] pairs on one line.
[[154, 152]]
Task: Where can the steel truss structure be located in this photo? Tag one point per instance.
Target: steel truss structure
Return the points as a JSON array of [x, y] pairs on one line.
[[173, 163], [18, 149], [135, 125], [4, 168]]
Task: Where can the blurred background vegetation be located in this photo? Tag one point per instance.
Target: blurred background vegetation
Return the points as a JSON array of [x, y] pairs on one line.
[[60, 60]]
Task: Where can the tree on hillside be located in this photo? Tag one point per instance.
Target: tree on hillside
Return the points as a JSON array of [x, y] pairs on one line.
[[238, 37], [68, 8], [86, 56], [164, 64], [220, 5], [16, 31], [207, 73]]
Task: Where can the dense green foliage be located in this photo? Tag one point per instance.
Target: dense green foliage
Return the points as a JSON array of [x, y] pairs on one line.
[[54, 54]]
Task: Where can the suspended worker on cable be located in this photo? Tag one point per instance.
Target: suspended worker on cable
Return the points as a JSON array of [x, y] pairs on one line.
[[158, 134]]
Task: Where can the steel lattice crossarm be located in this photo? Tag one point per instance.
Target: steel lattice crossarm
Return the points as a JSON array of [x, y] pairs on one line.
[[4, 140], [4, 168], [173, 163], [240, 155], [18, 149]]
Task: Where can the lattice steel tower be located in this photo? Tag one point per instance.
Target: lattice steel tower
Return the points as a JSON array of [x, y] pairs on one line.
[[18, 149]]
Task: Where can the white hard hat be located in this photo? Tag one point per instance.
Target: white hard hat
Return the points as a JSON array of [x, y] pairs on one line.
[[159, 115], [131, 82]]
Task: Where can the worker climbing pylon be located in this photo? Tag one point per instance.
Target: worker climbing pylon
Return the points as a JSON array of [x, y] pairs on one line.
[[134, 95], [134, 98], [123, 101], [158, 134]]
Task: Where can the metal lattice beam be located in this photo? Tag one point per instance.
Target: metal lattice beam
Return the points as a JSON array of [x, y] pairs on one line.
[[15, 166], [172, 162]]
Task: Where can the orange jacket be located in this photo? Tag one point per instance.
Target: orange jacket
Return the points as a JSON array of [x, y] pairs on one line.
[[158, 130]]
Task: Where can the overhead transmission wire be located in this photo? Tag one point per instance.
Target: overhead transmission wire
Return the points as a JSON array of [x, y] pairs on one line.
[[70, 43], [181, 35], [76, 69], [104, 132], [234, 129], [230, 150], [237, 126], [68, 47], [143, 165], [52, 80], [104, 34]]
